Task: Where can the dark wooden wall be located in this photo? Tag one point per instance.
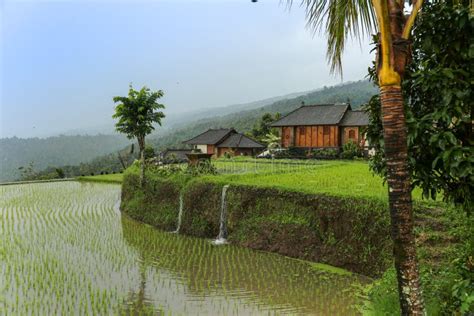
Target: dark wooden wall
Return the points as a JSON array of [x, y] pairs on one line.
[[310, 136]]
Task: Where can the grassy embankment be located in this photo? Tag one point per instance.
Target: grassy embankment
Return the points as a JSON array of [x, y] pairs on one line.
[[333, 212]]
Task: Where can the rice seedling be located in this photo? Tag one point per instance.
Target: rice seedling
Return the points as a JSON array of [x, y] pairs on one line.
[[65, 249]]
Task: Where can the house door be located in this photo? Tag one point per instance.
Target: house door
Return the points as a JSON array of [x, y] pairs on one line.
[[286, 135]]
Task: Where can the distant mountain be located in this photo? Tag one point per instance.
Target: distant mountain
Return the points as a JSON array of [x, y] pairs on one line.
[[53, 151]]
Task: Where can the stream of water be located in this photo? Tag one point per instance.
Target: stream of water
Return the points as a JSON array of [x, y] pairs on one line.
[[180, 213], [66, 249]]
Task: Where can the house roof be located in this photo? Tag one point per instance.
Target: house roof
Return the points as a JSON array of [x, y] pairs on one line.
[[210, 137], [240, 141], [355, 118], [178, 154], [321, 114]]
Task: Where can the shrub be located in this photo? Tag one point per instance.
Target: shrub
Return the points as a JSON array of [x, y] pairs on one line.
[[325, 153], [350, 150], [201, 168], [149, 152]]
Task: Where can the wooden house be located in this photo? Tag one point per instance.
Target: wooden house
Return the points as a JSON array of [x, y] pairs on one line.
[[322, 126], [225, 140]]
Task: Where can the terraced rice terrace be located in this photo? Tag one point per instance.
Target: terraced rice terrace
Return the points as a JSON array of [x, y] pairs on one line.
[[66, 249]]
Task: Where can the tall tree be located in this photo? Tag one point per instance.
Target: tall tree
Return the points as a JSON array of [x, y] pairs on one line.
[[356, 18], [262, 127], [137, 113]]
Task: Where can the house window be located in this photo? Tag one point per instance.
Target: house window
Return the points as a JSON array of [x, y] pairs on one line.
[[352, 134], [326, 130], [302, 130]]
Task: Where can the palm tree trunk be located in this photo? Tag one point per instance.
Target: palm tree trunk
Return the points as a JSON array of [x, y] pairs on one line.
[[400, 203]]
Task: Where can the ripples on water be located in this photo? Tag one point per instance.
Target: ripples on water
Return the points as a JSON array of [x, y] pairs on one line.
[[65, 249]]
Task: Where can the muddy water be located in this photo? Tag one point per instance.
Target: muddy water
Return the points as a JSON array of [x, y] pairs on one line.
[[66, 249]]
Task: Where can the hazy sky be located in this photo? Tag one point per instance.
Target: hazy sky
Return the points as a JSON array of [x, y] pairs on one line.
[[63, 61]]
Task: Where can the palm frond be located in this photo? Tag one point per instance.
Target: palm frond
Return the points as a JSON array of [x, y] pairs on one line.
[[339, 19]]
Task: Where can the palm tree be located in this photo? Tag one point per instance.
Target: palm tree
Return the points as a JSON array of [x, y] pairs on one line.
[[343, 19]]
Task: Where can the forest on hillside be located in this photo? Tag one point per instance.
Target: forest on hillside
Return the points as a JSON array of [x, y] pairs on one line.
[[53, 151]]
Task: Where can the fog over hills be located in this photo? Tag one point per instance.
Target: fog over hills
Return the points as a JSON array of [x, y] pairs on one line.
[[175, 120]]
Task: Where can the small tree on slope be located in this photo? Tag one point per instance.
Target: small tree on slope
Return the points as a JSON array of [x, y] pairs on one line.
[[136, 114]]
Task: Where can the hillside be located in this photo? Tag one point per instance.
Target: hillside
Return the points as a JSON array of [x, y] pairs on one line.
[[357, 93], [53, 151]]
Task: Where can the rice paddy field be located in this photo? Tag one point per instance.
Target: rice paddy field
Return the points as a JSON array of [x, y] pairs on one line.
[[336, 177], [66, 249]]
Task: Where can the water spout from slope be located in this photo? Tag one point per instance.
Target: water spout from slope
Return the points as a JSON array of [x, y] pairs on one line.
[[180, 213], [222, 238]]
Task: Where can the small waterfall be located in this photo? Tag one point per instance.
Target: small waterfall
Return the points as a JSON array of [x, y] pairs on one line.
[[180, 213], [222, 238]]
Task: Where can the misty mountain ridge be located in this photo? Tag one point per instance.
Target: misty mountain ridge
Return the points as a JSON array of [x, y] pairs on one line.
[[177, 119]]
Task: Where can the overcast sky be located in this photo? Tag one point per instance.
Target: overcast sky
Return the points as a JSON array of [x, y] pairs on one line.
[[63, 61]]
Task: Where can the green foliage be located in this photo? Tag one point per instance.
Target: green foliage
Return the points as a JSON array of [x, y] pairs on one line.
[[438, 98], [439, 90], [272, 140], [350, 150], [60, 173], [28, 172], [325, 153], [202, 167], [149, 152], [138, 112], [448, 285], [262, 128], [339, 20], [156, 203]]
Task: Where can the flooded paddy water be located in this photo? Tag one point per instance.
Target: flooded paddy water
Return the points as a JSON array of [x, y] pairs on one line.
[[66, 249]]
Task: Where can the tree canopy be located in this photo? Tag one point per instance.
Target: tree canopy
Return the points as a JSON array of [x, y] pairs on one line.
[[438, 99], [137, 113]]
